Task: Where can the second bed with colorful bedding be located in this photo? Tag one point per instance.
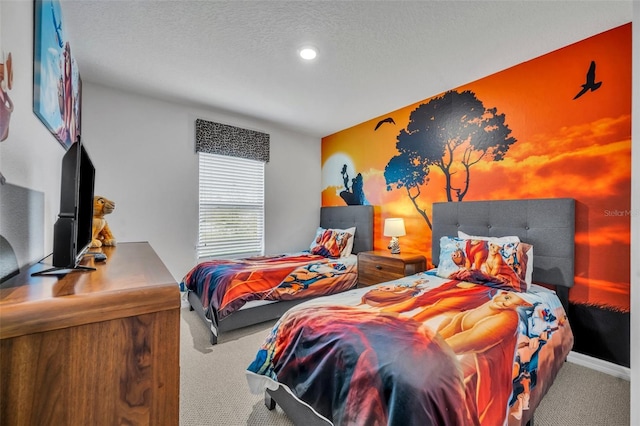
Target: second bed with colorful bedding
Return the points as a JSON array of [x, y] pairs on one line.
[[418, 350], [233, 293], [227, 285], [472, 342]]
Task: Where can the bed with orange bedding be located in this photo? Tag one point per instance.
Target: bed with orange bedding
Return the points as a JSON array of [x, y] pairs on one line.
[[475, 343], [234, 293], [459, 353]]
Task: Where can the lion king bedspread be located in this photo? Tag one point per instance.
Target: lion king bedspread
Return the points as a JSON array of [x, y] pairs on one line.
[[420, 350], [226, 285]]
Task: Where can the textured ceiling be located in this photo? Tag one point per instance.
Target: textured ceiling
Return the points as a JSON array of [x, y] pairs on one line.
[[374, 56]]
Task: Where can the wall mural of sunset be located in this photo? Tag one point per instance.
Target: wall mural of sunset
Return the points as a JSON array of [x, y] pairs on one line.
[[556, 126]]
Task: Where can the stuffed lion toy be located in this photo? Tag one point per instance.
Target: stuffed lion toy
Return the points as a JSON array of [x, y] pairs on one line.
[[102, 235]]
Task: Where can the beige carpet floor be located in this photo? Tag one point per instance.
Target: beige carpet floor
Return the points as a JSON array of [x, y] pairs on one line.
[[213, 389]]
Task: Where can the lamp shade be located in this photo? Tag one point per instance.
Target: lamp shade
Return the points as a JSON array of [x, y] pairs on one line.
[[394, 227]]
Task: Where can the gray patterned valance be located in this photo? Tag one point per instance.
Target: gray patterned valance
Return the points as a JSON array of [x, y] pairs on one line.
[[222, 139]]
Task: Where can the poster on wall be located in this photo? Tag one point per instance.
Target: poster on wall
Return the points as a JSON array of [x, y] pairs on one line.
[[57, 86], [6, 104], [555, 126], [6, 84]]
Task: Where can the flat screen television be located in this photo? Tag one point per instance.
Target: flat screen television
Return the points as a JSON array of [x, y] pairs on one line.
[[72, 232]]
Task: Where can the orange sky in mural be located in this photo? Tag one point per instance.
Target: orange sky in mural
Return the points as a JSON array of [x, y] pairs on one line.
[[565, 148]]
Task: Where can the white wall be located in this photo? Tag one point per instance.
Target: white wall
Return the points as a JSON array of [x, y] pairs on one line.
[[143, 151]]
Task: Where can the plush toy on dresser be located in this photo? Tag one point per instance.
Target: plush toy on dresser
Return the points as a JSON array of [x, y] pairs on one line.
[[102, 235]]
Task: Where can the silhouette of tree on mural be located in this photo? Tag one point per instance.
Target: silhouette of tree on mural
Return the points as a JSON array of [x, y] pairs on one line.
[[353, 196], [405, 172], [451, 132]]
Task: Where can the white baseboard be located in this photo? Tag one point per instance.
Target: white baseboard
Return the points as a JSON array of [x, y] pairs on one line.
[[600, 365]]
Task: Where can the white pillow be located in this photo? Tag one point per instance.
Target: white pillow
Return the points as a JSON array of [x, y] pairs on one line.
[[346, 251], [528, 275], [503, 240], [497, 240], [349, 247]]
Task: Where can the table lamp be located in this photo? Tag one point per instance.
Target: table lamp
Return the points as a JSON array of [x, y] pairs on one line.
[[394, 228]]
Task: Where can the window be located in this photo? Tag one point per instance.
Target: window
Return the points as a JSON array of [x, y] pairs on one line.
[[231, 206]]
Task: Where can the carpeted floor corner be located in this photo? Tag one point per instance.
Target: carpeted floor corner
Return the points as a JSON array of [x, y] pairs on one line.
[[213, 388], [582, 396], [214, 391]]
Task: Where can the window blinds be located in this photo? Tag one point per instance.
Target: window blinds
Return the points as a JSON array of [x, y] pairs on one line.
[[231, 206]]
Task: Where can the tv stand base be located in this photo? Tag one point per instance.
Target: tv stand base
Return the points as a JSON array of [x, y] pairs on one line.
[[63, 270]]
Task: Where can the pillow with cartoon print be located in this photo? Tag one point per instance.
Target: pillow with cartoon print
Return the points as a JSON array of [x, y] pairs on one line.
[[497, 264], [332, 243], [528, 278]]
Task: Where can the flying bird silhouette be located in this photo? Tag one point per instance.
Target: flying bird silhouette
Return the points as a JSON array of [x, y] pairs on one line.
[[386, 120], [590, 84]]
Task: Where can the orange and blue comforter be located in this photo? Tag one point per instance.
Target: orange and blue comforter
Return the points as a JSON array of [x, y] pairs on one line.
[[225, 285], [417, 351]]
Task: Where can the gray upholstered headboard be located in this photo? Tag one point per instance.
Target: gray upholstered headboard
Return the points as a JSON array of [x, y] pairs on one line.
[[548, 224], [342, 217]]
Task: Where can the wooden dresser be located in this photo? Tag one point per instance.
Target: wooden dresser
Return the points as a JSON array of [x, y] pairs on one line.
[[379, 266], [92, 348]]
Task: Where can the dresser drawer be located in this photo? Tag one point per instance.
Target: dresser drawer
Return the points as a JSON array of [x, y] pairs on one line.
[[379, 266]]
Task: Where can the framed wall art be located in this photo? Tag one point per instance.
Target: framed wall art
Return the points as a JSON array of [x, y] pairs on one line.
[[57, 86]]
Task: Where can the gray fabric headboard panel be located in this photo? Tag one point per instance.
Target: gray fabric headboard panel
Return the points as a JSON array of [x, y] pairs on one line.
[[342, 217], [547, 223]]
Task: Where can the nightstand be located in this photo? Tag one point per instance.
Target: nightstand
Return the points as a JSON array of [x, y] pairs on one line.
[[379, 266]]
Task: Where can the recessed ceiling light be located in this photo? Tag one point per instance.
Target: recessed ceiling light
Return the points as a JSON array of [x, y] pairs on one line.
[[308, 53]]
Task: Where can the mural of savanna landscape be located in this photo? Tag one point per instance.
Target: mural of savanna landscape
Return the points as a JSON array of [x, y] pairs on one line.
[[558, 125]]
